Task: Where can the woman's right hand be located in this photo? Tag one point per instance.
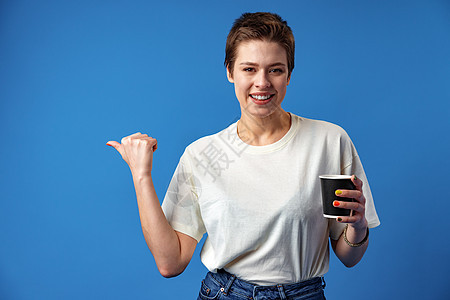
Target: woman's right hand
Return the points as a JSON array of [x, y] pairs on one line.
[[137, 151]]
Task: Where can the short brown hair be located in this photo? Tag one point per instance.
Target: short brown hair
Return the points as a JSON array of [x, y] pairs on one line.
[[260, 26]]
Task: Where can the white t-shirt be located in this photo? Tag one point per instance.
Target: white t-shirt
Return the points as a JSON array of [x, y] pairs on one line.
[[261, 205]]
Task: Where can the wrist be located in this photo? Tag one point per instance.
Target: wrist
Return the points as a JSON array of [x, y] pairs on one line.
[[360, 226], [139, 177], [355, 237]]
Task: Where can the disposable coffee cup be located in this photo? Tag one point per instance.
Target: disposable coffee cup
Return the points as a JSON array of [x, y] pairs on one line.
[[329, 184]]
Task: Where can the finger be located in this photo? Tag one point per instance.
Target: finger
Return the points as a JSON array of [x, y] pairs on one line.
[[138, 135], [357, 182], [129, 137], [351, 219], [134, 134], [115, 145], [355, 206], [153, 143], [355, 194]]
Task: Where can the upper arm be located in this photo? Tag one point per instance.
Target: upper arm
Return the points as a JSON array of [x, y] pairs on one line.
[[187, 248], [177, 265]]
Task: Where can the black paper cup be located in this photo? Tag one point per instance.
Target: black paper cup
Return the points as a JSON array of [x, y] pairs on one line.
[[329, 184]]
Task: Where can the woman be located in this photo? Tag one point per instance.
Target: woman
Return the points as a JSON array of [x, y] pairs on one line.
[[254, 187]]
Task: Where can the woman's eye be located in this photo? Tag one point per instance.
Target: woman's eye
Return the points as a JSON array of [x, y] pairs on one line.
[[276, 71]]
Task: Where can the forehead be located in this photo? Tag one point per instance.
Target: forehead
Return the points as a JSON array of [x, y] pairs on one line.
[[256, 51]]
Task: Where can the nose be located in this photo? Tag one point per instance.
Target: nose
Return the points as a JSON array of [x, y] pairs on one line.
[[262, 79]]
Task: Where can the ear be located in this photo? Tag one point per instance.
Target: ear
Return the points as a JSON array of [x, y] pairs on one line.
[[288, 80], [229, 76]]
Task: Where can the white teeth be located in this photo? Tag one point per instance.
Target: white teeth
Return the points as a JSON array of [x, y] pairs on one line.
[[260, 97]]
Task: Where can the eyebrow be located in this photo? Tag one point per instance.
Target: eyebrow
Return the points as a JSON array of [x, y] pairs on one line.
[[247, 63]]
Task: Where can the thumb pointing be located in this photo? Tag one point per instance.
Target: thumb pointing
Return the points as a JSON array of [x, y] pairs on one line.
[[115, 145]]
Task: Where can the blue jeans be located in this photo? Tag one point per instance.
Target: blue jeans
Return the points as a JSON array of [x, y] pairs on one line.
[[225, 286]]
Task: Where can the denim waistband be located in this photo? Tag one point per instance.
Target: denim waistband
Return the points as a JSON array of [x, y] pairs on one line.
[[231, 282]]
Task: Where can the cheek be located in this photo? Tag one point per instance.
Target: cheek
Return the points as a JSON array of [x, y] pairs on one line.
[[241, 93], [241, 86], [283, 85]]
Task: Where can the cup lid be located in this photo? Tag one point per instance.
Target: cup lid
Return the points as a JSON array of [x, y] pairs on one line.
[[330, 176]]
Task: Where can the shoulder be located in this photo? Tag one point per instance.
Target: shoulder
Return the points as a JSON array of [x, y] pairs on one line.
[[319, 127], [210, 141], [325, 137]]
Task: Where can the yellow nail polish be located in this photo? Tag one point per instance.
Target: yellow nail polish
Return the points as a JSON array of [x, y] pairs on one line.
[[338, 192]]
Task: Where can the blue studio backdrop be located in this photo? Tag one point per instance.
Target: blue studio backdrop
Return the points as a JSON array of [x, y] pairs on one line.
[[75, 74]]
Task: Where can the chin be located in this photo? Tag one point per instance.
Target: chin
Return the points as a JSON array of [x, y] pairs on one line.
[[260, 112]]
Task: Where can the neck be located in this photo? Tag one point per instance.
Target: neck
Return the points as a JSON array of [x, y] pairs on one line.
[[263, 131]]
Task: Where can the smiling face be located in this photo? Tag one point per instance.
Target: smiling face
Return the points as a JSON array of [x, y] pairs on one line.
[[260, 78]]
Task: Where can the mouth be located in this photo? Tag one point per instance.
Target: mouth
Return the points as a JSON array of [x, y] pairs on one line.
[[261, 98]]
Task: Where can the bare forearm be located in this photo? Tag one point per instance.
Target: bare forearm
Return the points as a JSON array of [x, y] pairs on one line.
[[348, 255], [172, 250], [351, 251], [161, 239]]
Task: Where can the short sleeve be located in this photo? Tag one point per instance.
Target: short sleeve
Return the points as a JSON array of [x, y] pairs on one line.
[[180, 204], [354, 167]]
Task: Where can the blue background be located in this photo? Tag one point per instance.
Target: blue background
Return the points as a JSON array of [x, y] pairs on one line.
[[75, 74]]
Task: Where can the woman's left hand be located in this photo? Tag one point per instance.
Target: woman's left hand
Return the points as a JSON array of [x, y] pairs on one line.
[[358, 219]]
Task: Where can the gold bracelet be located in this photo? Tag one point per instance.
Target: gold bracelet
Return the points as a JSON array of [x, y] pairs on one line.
[[357, 244]]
